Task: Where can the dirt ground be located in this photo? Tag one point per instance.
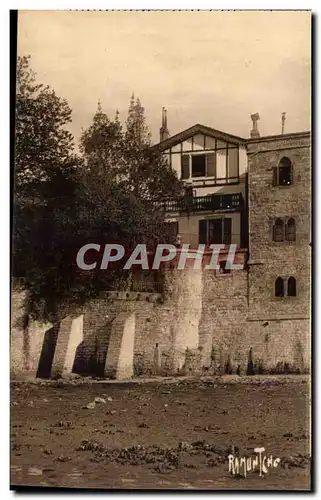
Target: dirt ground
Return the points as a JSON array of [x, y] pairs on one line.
[[157, 435]]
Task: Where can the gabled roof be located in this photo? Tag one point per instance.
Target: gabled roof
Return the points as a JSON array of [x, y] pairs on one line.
[[197, 129]]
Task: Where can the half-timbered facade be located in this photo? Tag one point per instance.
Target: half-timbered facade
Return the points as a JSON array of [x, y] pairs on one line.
[[213, 167]]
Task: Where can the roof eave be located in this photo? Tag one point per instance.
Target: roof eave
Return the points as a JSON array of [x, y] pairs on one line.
[[197, 129]]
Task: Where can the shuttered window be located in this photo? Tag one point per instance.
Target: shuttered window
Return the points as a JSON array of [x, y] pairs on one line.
[[185, 166], [278, 230], [290, 230], [215, 231], [233, 163], [202, 230], [221, 166], [210, 170]]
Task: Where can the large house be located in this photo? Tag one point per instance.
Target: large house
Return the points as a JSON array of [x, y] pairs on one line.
[[254, 192], [213, 166]]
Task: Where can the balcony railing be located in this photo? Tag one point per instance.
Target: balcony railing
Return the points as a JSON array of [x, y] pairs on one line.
[[212, 203]]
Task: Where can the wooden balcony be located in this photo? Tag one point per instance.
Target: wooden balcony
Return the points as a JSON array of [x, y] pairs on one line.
[[211, 203]]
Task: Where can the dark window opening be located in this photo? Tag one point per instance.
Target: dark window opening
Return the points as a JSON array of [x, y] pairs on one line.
[[290, 230], [278, 230], [215, 227], [279, 287], [215, 231], [198, 165], [223, 269], [285, 172], [292, 287]]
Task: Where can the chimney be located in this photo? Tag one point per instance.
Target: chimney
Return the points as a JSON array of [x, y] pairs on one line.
[[255, 131], [283, 118], [163, 131]]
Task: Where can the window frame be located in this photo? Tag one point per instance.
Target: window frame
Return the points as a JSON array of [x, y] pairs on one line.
[[279, 280], [191, 165], [276, 172], [293, 280], [278, 224], [285, 230], [293, 230], [223, 228], [219, 181], [285, 282]]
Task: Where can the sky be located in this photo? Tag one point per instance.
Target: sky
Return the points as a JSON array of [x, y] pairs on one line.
[[212, 67]]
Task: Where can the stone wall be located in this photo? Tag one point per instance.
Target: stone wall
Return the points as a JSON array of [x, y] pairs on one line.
[[224, 313], [204, 319], [206, 325], [26, 336], [120, 354]]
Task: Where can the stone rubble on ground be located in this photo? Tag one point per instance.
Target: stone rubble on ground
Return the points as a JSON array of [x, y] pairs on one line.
[[90, 406], [99, 400], [215, 380]]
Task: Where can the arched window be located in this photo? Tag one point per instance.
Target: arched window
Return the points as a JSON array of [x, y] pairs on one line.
[[285, 171], [279, 287], [290, 230], [291, 287], [278, 230]]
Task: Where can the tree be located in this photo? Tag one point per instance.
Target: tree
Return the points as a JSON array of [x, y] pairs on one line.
[[43, 146], [109, 193], [149, 174], [120, 185], [120, 171], [44, 165], [137, 134]]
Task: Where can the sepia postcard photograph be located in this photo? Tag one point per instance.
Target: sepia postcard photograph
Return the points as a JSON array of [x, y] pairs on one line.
[[161, 250]]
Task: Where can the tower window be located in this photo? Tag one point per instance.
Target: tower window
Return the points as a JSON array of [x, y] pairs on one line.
[[285, 171], [290, 230], [279, 287], [278, 230], [285, 287], [291, 287], [282, 174]]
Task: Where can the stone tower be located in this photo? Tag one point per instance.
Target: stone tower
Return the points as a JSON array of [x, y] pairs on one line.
[[279, 245]]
